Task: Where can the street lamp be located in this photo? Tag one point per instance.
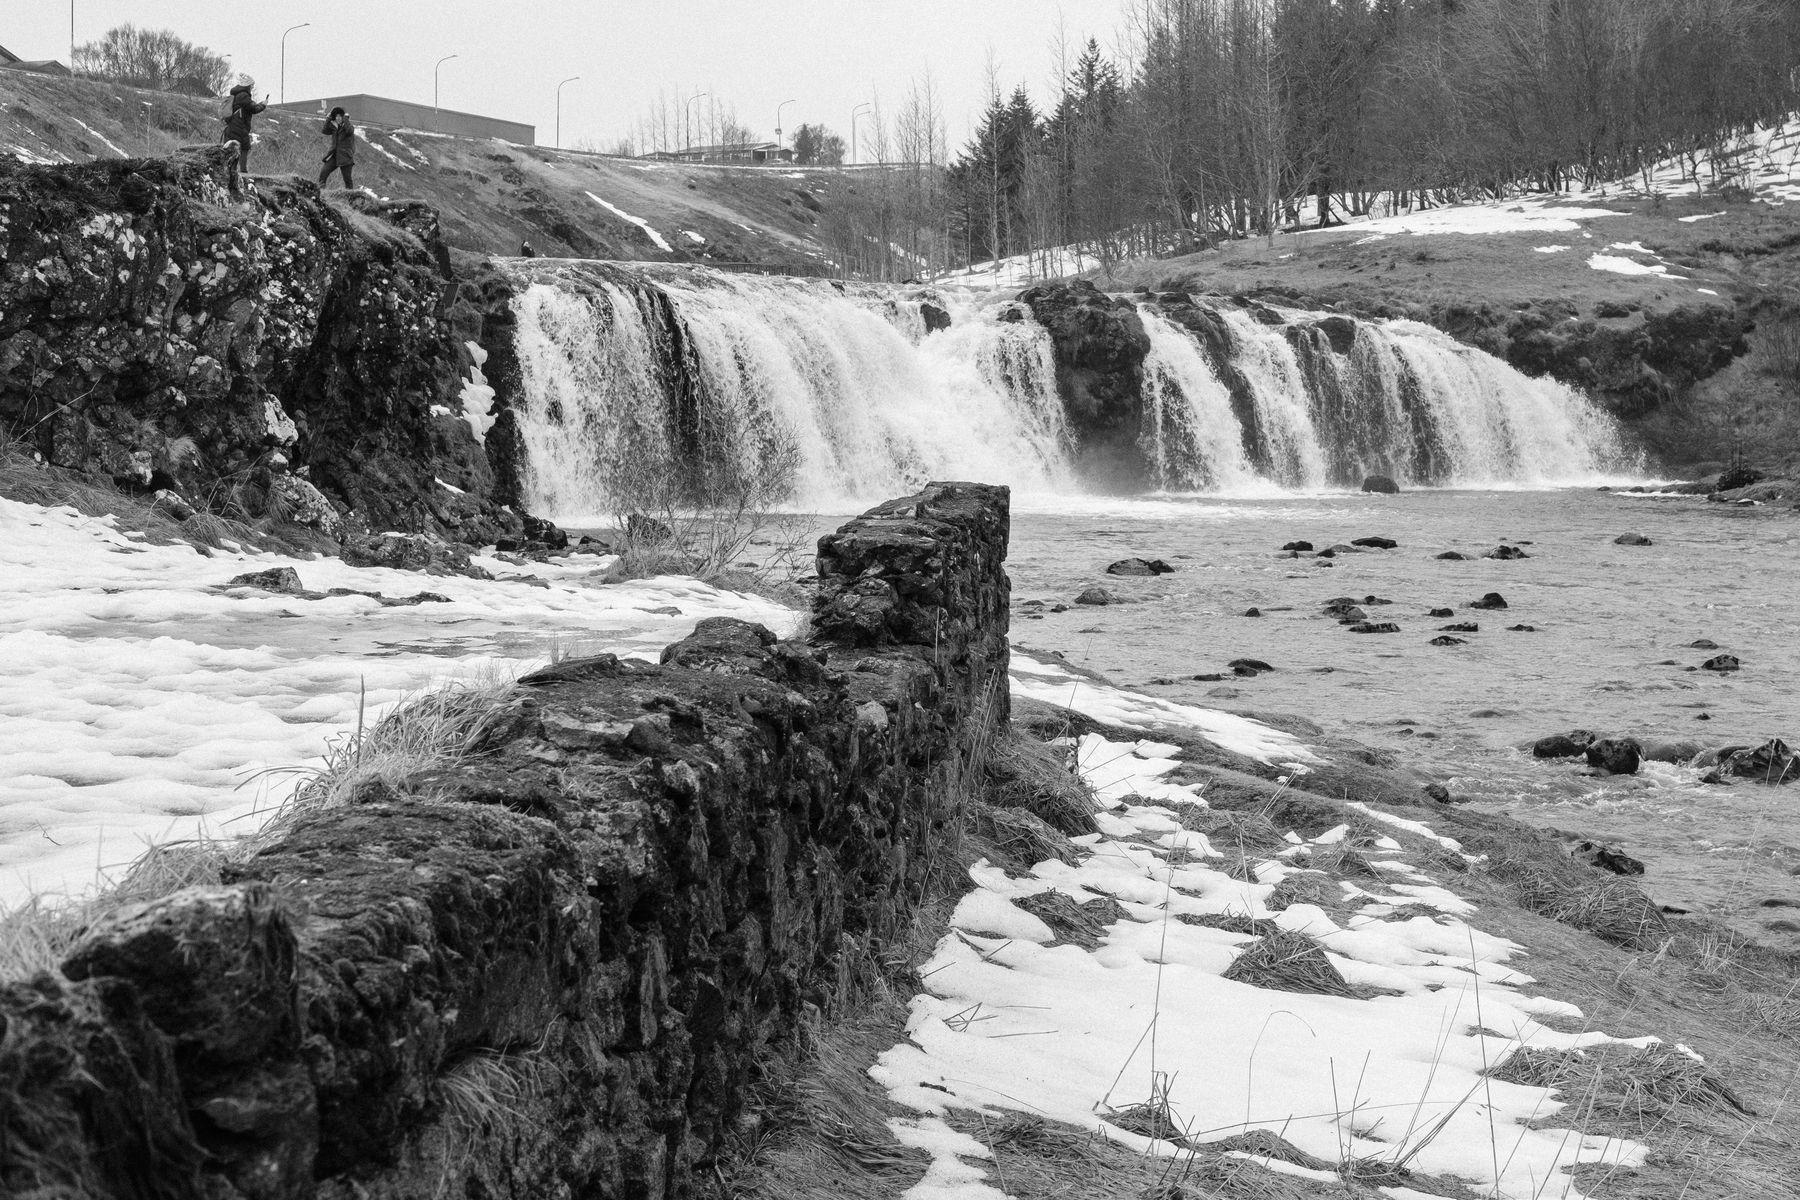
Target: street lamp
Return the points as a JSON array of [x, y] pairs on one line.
[[435, 123], [778, 109], [853, 114], [284, 33], [690, 117], [559, 88], [71, 37]]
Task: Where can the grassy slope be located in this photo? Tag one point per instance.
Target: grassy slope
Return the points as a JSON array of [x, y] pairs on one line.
[[491, 195], [1748, 256]]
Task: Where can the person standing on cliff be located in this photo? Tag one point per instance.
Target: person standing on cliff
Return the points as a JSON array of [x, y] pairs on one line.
[[341, 156], [244, 106]]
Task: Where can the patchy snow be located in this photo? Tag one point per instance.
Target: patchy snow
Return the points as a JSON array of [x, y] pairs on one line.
[[1014, 1022], [1021, 269], [661, 242], [412, 150], [1527, 216], [1054, 684], [1551, 249], [141, 699], [110, 145], [378, 148], [1706, 291], [693, 237], [1620, 265], [1700, 217], [477, 395]]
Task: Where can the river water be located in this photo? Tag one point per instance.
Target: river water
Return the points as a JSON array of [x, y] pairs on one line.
[[1610, 652]]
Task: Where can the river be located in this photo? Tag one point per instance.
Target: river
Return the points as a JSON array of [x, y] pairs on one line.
[[1610, 651]]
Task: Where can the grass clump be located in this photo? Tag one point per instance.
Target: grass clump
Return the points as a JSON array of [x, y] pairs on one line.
[[1610, 908], [1285, 961], [1638, 1086], [1039, 778], [1083, 925]]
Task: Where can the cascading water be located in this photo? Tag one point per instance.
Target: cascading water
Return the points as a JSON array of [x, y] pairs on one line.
[[842, 391], [828, 395]]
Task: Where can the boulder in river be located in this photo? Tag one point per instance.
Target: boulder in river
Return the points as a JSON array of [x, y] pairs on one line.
[[1139, 566], [1375, 543], [1721, 663], [1298, 546], [1573, 744], [1253, 612], [1447, 640], [1521, 629], [1461, 627], [1096, 595], [1454, 556], [1771, 762], [1703, 644], [1346, 614], [1632, 539], [1441, 612], [1506, 553], [1615, 756], [1249, 666], [1374, 627], [1382, 484], [411, 552], [1491, 600]]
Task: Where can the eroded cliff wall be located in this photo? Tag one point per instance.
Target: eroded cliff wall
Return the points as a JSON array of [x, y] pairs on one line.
[[246, 353], [551, 970]]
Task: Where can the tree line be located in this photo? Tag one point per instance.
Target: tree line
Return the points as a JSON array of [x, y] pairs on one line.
[[1230, 118]]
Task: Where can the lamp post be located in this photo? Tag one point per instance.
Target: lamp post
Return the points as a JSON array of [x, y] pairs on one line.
[[778, 109], [853, 115], [559, 88], [435, 123], [284, 33], [71, 37], [690, 117]]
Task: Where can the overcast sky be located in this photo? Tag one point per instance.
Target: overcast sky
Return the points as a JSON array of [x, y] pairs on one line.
[[827, 55]]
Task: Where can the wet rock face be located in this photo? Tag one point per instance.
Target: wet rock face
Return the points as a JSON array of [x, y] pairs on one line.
[[1100, 346], [549, 971], [157, 333]]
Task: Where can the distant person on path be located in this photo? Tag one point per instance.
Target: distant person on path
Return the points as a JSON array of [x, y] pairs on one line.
[[342, 155], [244, 106]]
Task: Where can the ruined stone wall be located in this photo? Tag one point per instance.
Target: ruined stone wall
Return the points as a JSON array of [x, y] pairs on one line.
[[550, 971], [159, 333]]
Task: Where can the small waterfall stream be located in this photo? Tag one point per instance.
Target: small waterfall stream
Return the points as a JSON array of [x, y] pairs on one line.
[[828, 395]]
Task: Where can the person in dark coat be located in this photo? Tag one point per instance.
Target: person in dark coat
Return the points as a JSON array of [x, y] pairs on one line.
[[244, 106], [341, 156]]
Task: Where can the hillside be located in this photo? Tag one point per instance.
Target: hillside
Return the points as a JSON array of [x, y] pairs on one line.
[[492, 195]]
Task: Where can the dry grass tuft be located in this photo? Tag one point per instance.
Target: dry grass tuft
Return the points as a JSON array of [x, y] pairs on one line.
[[1081, 925], [1285, 961], [1305, 887], [1625, 1083], [1230, 923], [1040, 778], [1021, 839], [1608, 907]]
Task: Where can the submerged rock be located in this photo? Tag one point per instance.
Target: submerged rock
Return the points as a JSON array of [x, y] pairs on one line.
[[1441, 612], [1461, 627], [1298, 546], [1096, 595], [1453, 556], [411, 552], [1447, 640], [1632, 539], [1721, 663], [1375, 543], [1375, 627], [1381, 484], [1491, 600], [1506, 553], [1772, 762]]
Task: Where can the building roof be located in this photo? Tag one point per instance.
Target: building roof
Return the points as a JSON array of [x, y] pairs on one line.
[[44, 66]]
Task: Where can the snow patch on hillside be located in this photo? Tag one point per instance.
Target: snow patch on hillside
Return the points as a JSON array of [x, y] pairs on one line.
[[661, 242]]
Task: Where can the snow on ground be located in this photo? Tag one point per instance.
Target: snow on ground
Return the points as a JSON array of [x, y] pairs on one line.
[[110, 145], [141, 699], [1054, 684], [1500, 216], [382, 150], [1021, 269], [661, 242], [1013, 1022]]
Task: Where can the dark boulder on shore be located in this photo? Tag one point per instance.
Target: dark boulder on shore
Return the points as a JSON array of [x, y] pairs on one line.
[[1605, 858], [1381, 484], [1615, 756]]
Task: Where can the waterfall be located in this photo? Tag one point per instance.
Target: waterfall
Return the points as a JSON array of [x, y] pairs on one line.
[[843, 389], [638, 384]]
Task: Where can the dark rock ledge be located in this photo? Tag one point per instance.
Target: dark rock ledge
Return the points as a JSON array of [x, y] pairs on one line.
[[549, 973]]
